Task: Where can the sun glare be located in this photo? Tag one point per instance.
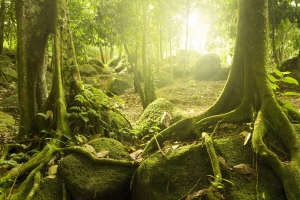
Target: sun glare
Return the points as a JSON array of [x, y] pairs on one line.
[[197, 33]]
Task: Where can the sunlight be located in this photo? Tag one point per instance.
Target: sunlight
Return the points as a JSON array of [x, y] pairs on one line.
[[197, 33]]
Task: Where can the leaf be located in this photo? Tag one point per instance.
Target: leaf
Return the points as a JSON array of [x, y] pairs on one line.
[[290, 80], [286, 73], [89, 148], [75, 108], [243, 169], [52, 171], [43, 115], [10, 162], [135, 155], [278, 73], [272, 78], [50, 114], [101, 154], [222, 162], [274, 86], [288, 105], [83, 117], [245, 135], [291, 94]]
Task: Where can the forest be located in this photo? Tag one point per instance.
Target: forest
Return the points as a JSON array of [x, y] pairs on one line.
[[149, 99]]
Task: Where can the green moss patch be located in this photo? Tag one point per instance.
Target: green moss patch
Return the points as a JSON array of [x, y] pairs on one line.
[[87, 180], [173, 176]]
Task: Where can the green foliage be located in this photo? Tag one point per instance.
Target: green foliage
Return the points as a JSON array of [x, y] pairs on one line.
[[282, 77]]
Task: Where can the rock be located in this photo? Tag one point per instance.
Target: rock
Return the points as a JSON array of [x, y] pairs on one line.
[[152, 116], [119, 83], [10, 73], [221, 74], [10, 102], [162, 80], [174, 175], [87, 70], [288, 65], [87, 180], [49, 188], [96, 62], [207, 66], [7, 122]]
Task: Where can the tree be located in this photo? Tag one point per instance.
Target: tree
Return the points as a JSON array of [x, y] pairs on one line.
[[36, 21], [248, 97]]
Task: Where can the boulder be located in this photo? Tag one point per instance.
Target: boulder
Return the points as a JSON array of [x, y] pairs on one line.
[[87, 70], [119, 83], [207, 66], [7, 122], [162, 80], [187, 170], [152, 115], [221, 74], [49, 188], [87, 180]]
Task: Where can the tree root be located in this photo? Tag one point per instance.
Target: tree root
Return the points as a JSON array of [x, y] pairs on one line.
[[215, 165], [35, 164]]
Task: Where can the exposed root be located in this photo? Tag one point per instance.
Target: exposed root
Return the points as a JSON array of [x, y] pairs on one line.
[[35, 164], [192, 127], [215, 166]]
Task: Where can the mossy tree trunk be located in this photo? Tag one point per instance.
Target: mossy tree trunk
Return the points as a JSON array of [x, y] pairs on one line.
[[32, 32], [2, 20], [149, 88], [248, 97]]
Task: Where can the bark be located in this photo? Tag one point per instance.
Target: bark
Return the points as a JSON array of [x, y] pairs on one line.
[[33, 31], [2, 20], [149, 88]]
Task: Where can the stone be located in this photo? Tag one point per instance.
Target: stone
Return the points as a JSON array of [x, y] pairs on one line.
[[207, 66]]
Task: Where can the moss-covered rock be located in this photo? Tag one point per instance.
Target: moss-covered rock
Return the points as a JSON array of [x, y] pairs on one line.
[[6, 122], [221, 74], [87, 180], [173, 176], [10, 102], [87, 70], [207, 66], [49, 188], [10, 73], [162, 80], [119, 83], [153, 113]]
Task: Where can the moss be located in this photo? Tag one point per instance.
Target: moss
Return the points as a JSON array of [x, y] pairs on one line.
[[119, 83], [49, 189], [88, 180], [87, 70], [171, 177], [6, 122], [115, 148], [153, 113]]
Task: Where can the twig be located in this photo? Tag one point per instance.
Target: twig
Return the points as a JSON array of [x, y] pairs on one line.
[[158, 145]]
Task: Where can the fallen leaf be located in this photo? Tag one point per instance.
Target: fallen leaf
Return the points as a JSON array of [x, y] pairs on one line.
[[101, 154], [136, 154], [243, 169], [90, 148], [52, 171], [222, 162]]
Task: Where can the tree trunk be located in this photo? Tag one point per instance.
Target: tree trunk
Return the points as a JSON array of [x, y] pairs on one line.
[[32, 39], [2, 20], [187, 7], [149, 88]]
